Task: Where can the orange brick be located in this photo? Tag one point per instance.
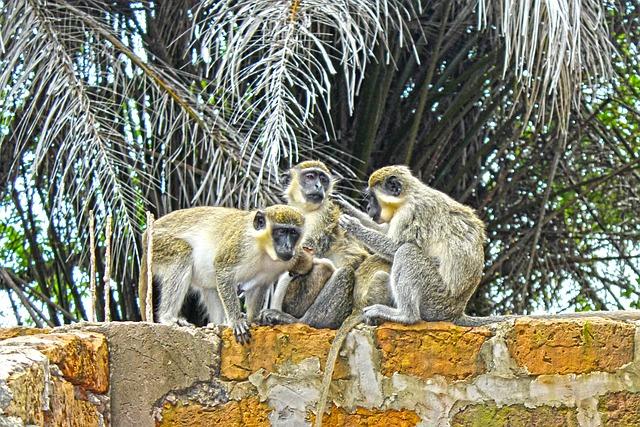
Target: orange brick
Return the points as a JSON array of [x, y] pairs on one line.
[[563, 346], [19, 331], [272, 347], [248, 412], [367, 417], [83, 357], [431, 348]]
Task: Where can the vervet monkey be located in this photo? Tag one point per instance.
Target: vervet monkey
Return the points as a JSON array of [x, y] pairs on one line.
[[217, 252], [310, 188], [316, 271], [435, 245]]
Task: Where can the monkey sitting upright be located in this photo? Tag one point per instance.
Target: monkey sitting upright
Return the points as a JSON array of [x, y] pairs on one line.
[[435, 245], [216, 252], [320, 305]]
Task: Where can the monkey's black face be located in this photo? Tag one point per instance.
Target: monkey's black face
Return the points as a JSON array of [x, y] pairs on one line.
[[285, 239], [392, 186], [371, 205], [315, 185]]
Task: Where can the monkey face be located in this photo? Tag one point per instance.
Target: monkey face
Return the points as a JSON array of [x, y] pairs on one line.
[[371, 205], [385, 198], [285, 239], [314, 185]]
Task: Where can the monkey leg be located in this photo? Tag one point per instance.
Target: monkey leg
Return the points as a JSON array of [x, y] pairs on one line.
[[271, 317], [253, 300], [175, 280], [213, 305], [334, 302], [417, 287], [332, 305], [280, 291]]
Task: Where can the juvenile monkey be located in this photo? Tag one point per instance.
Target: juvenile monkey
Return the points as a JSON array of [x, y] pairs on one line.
[[435, 245], [309, 188], [290, 287], [217, 252]]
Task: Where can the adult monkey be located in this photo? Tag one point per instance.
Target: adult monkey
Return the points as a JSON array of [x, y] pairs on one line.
[[217, 252], [435, 245], [321, 305]]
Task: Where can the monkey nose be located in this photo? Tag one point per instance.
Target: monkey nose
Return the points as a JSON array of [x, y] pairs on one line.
[[286, 256]]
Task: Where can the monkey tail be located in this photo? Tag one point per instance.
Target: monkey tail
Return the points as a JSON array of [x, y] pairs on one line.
[[465, 320], [350, 322], [142, 286]]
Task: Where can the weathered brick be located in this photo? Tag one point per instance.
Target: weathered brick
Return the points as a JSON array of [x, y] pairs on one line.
[[368, 417], [83, 357], [248, 412], [563, 346], [272, 348], [620, 409], [67, 410], [431, 348], [19, 331], [514, 416]]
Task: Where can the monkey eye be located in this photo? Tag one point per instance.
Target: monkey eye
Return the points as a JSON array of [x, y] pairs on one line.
[[310, 176], [323, 179], [393, 185], [259, 222]]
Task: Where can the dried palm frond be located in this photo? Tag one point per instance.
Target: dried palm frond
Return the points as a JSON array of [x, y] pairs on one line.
[[272, 63], [552, 45], [71, 100]]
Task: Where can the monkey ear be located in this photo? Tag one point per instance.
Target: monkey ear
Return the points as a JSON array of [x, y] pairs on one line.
[[286, 178], [259, 221], [393, 185], [309, 250]]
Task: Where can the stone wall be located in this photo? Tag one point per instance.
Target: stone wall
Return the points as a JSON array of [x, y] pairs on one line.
[[523, 372]]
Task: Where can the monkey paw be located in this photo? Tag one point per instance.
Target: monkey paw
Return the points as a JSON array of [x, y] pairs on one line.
[[241, 330], [181, 321], [371, 314], [347, 207], [268, 317], [349, 223]]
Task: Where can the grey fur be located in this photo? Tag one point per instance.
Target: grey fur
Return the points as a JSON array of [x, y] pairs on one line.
[[435, 245]]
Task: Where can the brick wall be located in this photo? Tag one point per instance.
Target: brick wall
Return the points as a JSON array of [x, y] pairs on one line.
[[522, 372]]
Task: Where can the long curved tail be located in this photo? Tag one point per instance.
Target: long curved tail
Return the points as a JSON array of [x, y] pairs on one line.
[[350, 322]]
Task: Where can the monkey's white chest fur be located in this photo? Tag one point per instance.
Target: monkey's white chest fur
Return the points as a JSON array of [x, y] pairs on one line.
[[264, 272]]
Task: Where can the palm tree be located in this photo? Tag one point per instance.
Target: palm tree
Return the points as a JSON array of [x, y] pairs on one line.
[[527, 111]]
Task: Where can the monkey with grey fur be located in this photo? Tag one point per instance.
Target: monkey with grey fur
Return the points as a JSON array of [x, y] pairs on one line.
[[435, 245]]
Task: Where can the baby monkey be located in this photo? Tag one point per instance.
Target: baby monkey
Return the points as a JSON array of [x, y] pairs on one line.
[[289, 291], [216, 252]]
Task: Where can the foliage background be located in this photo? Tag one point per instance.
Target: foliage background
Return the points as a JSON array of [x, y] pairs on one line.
[[527, 111]]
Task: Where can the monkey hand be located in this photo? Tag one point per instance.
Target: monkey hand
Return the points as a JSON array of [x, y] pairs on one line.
[[347, 207], [241, 331], [350, 224], [271, 317]]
